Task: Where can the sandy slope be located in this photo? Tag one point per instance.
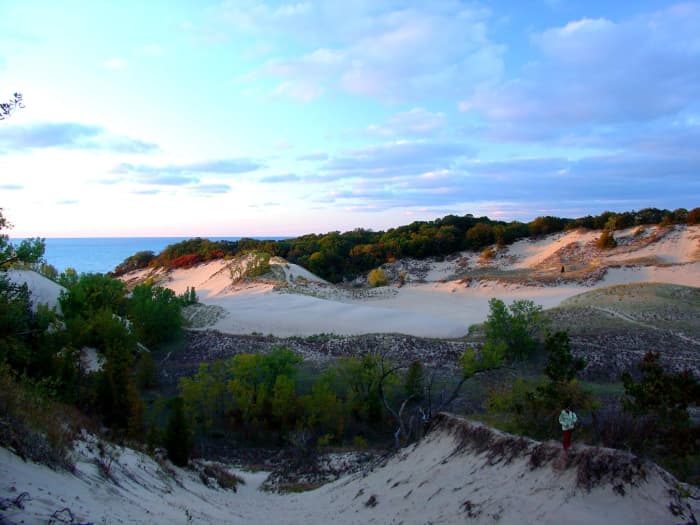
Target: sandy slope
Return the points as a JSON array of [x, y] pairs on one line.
[[43, 290], [432, 303], [442, 479]]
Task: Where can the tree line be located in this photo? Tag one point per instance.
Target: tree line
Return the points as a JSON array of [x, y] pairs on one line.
[[338, 257]]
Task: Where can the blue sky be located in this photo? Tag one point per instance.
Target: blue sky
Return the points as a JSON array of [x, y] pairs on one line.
[[249, 117]]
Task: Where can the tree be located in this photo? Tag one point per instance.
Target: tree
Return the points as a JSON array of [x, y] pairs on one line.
[[178, 437], [7, 108], [28, 251], [664, 398], [532, 407], [514, 330], [155, 314], [561, 366], [471, 363], [92, 292]]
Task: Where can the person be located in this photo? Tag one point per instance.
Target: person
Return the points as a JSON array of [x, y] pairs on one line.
[[567, 420]]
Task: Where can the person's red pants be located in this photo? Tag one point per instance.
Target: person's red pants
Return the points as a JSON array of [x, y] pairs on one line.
[[567, 439]]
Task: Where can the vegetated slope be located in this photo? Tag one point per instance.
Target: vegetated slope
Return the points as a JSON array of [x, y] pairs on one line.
[[460, 472], [613, 327]]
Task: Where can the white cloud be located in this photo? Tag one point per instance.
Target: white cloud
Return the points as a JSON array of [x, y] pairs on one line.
[[600, 72], [376, 49], [415, 122], [115, 64]]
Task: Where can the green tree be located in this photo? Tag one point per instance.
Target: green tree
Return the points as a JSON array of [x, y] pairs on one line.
[[155, 314], [664, 398], [414, 381], [514, 330], [91, 293], [28, 251], [561, 366]]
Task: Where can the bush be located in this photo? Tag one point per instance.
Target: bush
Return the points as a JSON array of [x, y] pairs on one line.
[[693, 216], [377, 277], [606, 241], [33, 424], [488, 254]]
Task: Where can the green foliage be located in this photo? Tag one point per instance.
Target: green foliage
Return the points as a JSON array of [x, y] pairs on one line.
[[532, 407], [514, 330], [490, 357], [178, 437], [247, 391], [92, 292], [155, 314], [360, 376], [324, 412], [413, 382], [562, 366], [28, 251], [480, 236], [146, 371], [377, 277], [205, 396], [114, 383], [664, 398], [188, 297]]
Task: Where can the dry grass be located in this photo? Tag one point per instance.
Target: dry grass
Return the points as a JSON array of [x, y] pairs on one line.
[[35, 427], [223, 478]]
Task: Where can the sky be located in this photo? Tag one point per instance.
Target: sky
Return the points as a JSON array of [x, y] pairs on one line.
[[262, 118]]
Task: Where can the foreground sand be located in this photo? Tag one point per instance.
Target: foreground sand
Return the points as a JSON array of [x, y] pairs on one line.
[[457, 474]]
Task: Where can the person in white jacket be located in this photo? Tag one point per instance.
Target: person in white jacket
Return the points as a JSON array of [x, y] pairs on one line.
[[567, 420]]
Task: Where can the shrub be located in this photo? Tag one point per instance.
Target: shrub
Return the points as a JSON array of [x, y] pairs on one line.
[[488, 254], [34, 425], [693, 216], [606, 240], [377, 277], [185, 261]]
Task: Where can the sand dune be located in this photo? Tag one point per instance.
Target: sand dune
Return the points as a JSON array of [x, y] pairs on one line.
[[460, 472], [437, 300]]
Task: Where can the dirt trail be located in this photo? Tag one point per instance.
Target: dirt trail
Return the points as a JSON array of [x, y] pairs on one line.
[[632, 320]]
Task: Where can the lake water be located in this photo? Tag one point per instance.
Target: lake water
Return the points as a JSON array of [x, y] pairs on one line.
[[104, 253]]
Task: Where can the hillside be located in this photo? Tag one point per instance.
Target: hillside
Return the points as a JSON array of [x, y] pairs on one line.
[[429, 298], [461, 471]]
